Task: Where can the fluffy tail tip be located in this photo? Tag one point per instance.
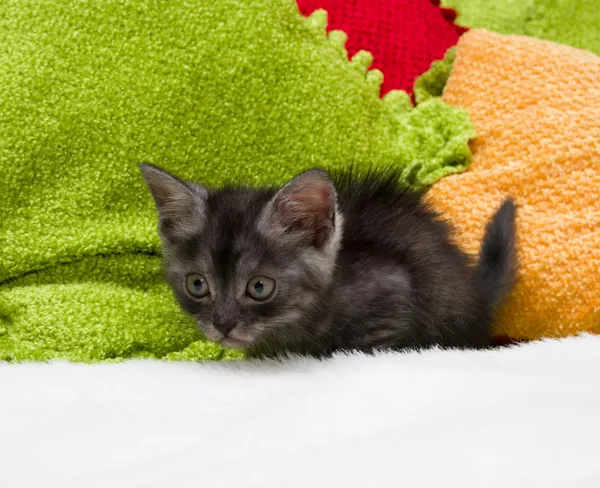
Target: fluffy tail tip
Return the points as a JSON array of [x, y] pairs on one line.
[[498, 262]]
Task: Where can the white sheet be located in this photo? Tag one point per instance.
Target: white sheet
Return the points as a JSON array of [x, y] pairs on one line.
[[521, 417]]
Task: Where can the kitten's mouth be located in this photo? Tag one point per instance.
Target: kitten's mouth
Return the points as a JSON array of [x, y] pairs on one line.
[[233, 343]]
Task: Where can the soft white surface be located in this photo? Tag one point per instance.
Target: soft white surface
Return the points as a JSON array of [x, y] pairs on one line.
[[521, 417]]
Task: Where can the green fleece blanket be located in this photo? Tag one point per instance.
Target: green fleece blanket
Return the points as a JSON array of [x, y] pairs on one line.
[[212, 90], [572, 22]]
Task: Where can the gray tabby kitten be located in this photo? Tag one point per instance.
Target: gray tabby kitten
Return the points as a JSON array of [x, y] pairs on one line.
[[353, 262]]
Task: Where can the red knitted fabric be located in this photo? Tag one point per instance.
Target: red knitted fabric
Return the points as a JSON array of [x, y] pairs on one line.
[[404, 36]]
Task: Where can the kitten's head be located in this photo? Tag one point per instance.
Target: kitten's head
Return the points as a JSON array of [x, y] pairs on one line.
[[250, 265]]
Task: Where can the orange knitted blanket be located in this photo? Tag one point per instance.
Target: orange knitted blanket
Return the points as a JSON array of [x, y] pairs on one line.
[[536, 109]]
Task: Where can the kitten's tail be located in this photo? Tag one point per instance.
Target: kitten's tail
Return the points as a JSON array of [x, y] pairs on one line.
[[497, 266]]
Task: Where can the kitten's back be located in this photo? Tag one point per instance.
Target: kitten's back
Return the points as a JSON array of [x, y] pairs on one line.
[[392, 238]]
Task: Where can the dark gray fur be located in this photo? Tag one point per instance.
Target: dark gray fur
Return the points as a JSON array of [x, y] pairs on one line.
[[394, 280]]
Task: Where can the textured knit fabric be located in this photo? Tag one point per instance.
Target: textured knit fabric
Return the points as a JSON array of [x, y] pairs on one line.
[[431, 84], [216, 91], [572, 22], [404, 36], [539, 141]]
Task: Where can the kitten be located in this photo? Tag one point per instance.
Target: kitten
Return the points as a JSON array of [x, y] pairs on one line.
[[325, 264]]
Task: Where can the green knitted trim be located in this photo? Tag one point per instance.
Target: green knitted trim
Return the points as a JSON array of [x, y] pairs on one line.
[[431, 83]]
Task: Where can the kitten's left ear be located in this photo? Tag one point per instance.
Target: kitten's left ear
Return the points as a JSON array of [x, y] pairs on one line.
[[180, 205], [305, 209]]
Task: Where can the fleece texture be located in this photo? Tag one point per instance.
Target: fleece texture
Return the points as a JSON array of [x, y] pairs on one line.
[[538, 141], [215, 91], [572, 22], [524, 417], [404, 36]]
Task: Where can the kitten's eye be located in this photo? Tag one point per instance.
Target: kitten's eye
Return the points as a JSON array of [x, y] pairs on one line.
[[197, 285], [260, 287]]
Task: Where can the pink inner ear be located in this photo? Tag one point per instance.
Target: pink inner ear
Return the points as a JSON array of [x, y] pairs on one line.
[[309, 203], [307, 212]]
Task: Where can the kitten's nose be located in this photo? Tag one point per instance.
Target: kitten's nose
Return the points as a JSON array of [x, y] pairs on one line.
[[224, 327]]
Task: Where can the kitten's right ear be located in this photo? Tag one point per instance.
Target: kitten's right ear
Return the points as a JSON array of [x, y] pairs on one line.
[[180, 205], [305, 209]]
